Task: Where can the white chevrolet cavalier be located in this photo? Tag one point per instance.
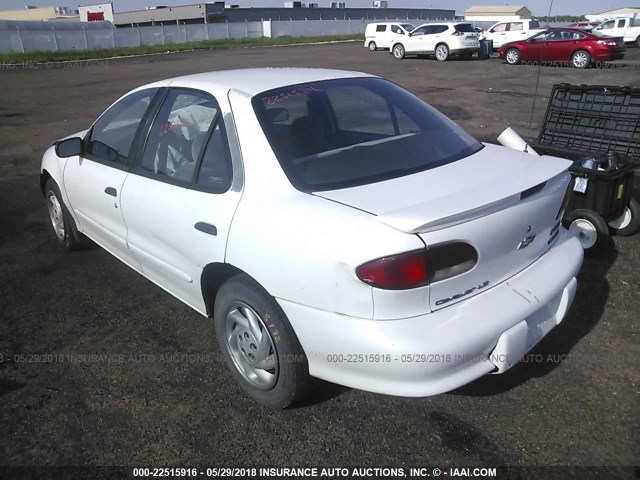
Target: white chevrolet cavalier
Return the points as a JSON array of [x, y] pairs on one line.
[[333, 225]]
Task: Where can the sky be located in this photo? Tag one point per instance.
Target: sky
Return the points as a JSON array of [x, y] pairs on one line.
[[538, 7]]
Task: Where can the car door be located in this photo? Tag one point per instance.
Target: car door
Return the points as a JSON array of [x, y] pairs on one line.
[[535, 48], [415, 42], [605, 29], [434, 36], [498, 35], [93, 181], [180, 197], [515, 32]]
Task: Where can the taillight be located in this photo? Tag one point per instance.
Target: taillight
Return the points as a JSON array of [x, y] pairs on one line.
[[419, 267], [610, 43], [396, 272]]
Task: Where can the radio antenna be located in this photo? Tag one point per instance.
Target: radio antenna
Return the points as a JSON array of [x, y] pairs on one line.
[[535, 93]]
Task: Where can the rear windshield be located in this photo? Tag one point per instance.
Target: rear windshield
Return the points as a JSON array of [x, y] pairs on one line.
[[465, 27], [534, 24], [347, 132]]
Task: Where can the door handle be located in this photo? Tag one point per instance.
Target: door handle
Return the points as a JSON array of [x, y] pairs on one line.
[[206, 228], [111, 191]]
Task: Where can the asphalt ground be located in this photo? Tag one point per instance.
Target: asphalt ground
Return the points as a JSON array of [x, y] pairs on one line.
[[170, 401]]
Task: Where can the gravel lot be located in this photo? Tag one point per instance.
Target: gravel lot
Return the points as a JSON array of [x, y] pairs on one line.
[[575, 401]]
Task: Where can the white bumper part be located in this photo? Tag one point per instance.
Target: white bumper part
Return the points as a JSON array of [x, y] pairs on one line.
[[440, 351]]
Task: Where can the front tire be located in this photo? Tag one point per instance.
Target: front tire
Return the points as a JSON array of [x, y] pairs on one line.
[[512, 56], [590, 228], [629, 222], [259, 345], [398, 51], [61, 220], [442, 52], [372, 46], [580, 59], [638, 42]]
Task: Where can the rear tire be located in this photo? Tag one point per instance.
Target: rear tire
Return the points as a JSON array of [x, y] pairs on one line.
[[512, 56], [590, 228], [638, 42], [398, 51], [442, 52], [372, 46], [61, 220], [259, 345], [629, 222], [580, 59]]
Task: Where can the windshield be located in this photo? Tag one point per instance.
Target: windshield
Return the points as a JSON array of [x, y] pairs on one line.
[[347, 132], [408, 27]]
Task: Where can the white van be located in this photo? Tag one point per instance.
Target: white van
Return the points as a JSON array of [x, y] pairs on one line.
[[379, 35]]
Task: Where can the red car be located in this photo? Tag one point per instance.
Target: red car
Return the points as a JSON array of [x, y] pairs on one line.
[[573, 45]]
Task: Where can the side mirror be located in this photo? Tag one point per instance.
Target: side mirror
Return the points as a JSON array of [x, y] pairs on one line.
[[277, 115], [69, 147]]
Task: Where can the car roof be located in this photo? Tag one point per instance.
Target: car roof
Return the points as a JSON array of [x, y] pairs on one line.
[[255, 80]]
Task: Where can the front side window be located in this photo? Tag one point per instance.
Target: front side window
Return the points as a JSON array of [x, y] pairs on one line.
[[607, 25], [112, 135], [349, 132], [421, 30], [501, 27], [397, 30], [183, 136]]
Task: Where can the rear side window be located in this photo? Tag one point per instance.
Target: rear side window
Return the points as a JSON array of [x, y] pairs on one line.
[[515, 26], [465, 27], [381, 28], [439, 29], [356, 131]]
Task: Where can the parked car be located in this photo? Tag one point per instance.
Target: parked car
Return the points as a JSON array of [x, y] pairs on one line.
[[439, 39], [332, 224], [625, 27], [379, 35], [572, 45], [512, 31]]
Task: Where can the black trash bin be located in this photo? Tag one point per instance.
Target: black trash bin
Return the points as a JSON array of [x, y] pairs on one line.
[[601, 122], [486, 49]]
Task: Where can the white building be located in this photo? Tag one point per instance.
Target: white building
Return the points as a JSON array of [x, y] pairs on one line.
[[496, 13]]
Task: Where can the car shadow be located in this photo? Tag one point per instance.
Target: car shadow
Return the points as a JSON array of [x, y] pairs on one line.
[[585, 313], [321, 392]]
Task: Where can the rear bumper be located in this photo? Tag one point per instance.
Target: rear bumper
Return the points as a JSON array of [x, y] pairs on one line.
[[608, 56], [443, 350]]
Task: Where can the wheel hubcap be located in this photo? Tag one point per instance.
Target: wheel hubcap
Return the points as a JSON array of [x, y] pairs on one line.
[[585, 231], [55, 214], [251, 346], [398, 52], [580, 60], [441, 53], [623, 220], [512, 57], [372, 46]]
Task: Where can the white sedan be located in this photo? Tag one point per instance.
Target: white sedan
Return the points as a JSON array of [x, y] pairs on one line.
[[332, 224]]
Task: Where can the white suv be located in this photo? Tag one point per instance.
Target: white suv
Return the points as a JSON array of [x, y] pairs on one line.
[[441, 39]]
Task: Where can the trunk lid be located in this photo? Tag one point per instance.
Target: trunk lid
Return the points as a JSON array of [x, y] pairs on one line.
[[502, 202]]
